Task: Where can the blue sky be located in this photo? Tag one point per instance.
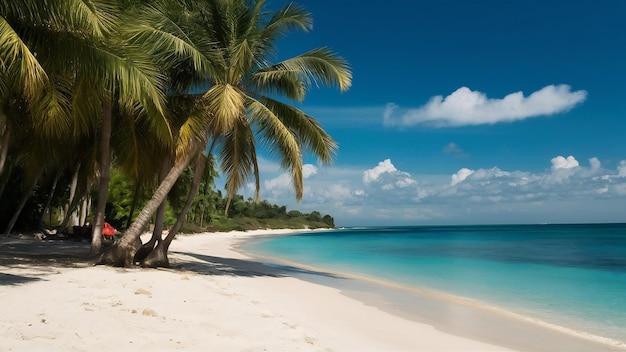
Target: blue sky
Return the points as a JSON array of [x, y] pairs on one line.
[[467, 112]]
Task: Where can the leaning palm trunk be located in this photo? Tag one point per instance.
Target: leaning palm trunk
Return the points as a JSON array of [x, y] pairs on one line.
[[157, 233], [158, 256], [123, 251]]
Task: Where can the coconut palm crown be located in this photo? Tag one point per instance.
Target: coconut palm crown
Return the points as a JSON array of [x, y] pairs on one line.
[[240, 97]]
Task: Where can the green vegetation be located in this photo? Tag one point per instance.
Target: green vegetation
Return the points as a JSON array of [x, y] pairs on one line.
[[207, 212], [133, 99]]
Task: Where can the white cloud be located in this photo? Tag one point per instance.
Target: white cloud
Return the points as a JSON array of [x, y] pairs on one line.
[[386, 177], [282, 182], [466, 107], [336, 193], [372, 175], [621, 169], [560, 162], [308, 170], [460, 176], [595, 163], [383, 194]]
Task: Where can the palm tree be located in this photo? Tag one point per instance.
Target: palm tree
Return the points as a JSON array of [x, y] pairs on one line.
[[238, 103], [72, 66]]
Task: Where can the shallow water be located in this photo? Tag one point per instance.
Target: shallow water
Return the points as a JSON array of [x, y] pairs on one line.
[[572, 276]]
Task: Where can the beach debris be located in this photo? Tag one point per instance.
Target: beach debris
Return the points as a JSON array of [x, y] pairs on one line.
[[149, 312], [142, 291]]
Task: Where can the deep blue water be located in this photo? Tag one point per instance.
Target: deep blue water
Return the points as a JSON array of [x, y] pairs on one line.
[[569, 275]]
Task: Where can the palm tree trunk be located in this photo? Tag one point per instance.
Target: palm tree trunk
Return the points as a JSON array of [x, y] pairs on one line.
[[133, 206], [4, 147], [84, 209], [158, 257], [4, 179], [157, 233], [49, 200], [72, 201], [123, 251], [105, 165], [20, 206]]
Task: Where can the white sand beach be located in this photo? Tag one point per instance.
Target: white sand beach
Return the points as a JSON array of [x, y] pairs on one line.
[[214, 299]]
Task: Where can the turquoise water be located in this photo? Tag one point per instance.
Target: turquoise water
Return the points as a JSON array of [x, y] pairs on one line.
[[572, 276]]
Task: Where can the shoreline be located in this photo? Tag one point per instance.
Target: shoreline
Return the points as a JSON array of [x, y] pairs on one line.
[[375, 283], [216, 297]]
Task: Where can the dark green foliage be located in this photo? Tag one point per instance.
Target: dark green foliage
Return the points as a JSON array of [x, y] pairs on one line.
[[263, 215], [14, 191], [207, 212]]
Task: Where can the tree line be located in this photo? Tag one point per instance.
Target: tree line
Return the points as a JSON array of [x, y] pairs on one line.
[[145, 90], [207, 212]]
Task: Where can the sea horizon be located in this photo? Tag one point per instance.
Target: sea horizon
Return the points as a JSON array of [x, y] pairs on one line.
[[568, 277]]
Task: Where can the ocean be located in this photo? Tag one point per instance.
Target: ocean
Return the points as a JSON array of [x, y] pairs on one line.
[[569, 276]]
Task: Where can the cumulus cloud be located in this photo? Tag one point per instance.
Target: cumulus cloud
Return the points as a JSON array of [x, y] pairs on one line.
[[467, 107], [560, 162], [460, 176], [387, 176], [355, 196], [372, 175]]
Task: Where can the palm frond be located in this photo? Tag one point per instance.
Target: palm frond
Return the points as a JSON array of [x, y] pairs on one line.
[[242, 59], [194, 130], [97, 18], [236, 158], [281, 82], [316, 67], [86, 105], [137, 152], [20, 62], [225, 103], [137, 82], [307, 130], [276, 135], [292, 16], [279, 140], [51, 110], [168, 31]]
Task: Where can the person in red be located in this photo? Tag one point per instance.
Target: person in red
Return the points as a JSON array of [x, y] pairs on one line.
[[108, 231]]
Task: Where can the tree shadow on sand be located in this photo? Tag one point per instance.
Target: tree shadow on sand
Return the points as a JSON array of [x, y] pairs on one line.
[[10, 279], [210, 265], [46, 253], [43, 256]]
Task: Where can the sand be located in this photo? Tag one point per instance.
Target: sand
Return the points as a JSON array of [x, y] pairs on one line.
[[214, 298]]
